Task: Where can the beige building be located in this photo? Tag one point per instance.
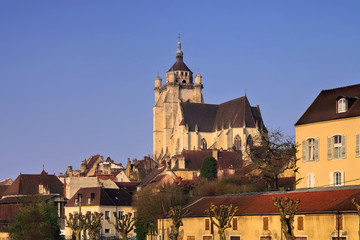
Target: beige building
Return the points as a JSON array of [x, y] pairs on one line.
[[329, 137], [182, 121], [322, 214], [99, 199]]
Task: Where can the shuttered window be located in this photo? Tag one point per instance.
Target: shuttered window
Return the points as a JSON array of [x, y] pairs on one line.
[[310, 149], [207, 224], [311, 180], [357, 147], [234, 225], [337, 147], [265, 223], [300, 223]]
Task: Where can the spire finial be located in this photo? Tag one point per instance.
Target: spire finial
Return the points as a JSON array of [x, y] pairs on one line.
[[179, 53], [245, 91], [179, 37]]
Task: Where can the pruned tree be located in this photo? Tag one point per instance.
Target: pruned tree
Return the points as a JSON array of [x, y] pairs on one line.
[[275, 154], [93, 224], [76, 222], [358, 212], [287, 208], [221, 217], [208, 168], [176, 214], [124, 225]]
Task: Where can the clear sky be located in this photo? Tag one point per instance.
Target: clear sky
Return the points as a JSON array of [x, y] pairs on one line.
[[77, 77]]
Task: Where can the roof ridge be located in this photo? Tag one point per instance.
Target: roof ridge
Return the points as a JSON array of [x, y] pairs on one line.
[[331, 89]]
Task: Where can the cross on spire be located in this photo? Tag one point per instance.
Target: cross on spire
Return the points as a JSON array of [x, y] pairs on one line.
[[179, 37]]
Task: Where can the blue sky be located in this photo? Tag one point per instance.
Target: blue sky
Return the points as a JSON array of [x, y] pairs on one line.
[[77, 77]]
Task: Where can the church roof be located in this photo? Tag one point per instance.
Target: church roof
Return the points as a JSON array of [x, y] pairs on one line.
[[179, 66], [236, 113], [324, 106]]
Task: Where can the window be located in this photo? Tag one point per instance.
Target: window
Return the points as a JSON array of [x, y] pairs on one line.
[[311, 180], [341, 105], [190, 238], [89, 201], [207, 224], [249, 141], [337, 178], [184, 82], [300, 223], [76, 201], [120, 214], [310, 149], [107, 230], [234, 237], [234, 225], [265, 223], [357, 145], [107, 215], [339, 222], [203, 144], [265, 237], [337, 147], [207, 237], [338, 238], [237, 142], [300, 238]]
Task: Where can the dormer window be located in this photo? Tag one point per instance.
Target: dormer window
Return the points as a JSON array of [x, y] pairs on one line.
[[341, 105]]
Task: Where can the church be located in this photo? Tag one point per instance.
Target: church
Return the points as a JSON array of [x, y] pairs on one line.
[[183, 121]]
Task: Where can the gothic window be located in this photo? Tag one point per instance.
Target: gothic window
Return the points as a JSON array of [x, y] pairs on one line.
[[249, 141], [310, 148], [237, 142], [203, 144], [341, 105], [337, 147]]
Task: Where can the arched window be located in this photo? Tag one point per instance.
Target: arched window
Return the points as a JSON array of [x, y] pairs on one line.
[[341, 105], [338, 179], [203, 144], [184, 82], [249, 141], [237, 142]]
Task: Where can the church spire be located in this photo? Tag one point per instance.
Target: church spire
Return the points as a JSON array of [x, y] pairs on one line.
[[179, 52]]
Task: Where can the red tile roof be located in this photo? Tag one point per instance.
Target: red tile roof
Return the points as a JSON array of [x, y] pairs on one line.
[[324, 106], [315, 201]]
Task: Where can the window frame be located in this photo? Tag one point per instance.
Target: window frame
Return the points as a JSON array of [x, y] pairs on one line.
[[336, 146], [341, 105], [310, 149]]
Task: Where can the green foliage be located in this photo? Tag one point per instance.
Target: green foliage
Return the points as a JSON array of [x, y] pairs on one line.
[[221, 217], [141, 229], [38, 220], [208, 168], [287, 208], [124, 225], [76, 223], [176, 214]]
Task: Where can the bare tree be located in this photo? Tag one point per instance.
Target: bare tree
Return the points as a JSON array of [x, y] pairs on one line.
[[176, 214], [275, 154], [287, 208], [76, 223], [93, 224], [221, 217], [124, 225]]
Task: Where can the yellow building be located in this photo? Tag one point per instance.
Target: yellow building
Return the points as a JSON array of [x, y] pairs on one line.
[[322, 214], [98, 199], [182, 121], [328, 135]]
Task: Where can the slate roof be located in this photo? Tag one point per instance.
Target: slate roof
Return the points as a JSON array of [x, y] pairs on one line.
[[324, 106], [101, 197], [130, 187], [311, 201], [236, 113], [194, 158], [28, 184]]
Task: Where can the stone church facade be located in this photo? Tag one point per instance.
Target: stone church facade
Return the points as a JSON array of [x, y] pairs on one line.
[[182, 121]]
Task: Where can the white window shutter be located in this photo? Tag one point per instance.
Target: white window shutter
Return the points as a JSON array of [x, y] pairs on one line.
[[330, 148], [343, 147], [357, 148], [316, 149], [304, 150], [331, 179], [342, 178]]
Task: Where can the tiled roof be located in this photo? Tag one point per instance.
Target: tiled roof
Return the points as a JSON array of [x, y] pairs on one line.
[[26, 199], [210, 117], [28, 184], [313, 201], [3, 188], [324, 106], [152, 175], [101, 197], [179, 66]]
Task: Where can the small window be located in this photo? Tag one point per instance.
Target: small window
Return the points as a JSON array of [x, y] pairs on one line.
[[234, 225], [265, 223], [207, 237], [337, 178], [311, 180], [185, 73], [89, 201], [92, 195], [300, 223], [76, 201], [190, 238], [120, 214], [338, 238], [234, 237], [107, 215], [310, 149], [184, 82], [207, 224], [107, 230], [301, 238], [182, 73], [341, 105], [337, 147], [203, 144], [237, 142], [265, 237]]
